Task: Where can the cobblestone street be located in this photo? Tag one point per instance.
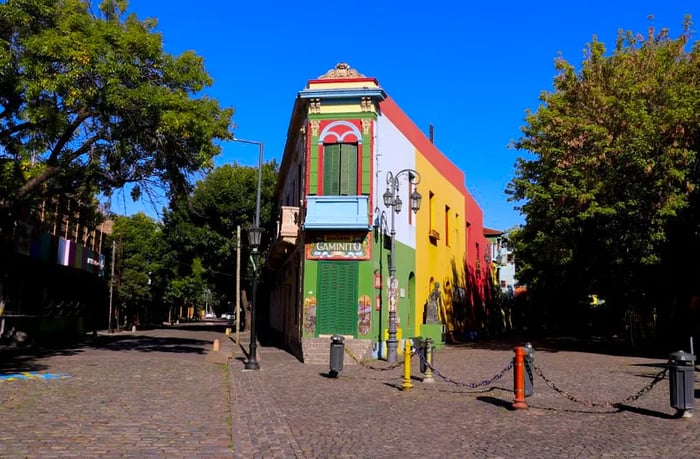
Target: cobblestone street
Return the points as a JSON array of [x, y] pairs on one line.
[[164, 393]]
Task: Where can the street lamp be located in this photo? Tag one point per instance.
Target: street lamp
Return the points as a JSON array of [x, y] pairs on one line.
[[393, 201], [380, 230], [254, 237]]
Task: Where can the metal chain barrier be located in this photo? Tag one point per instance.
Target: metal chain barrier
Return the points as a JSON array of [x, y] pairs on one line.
[[659, 376], [485, 382], [372, 367]]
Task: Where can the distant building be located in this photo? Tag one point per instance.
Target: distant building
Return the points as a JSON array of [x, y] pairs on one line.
[[331, 253], [502, 260]]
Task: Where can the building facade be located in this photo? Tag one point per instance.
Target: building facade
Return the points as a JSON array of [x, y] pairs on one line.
[[348, 145], [502, 259], [52, 276]]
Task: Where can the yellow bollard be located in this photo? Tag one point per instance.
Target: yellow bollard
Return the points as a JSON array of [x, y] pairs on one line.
[[216, 346], [407, 384], [228, 331]]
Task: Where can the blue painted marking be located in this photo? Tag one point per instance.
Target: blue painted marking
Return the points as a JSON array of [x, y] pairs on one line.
[[32, 375]]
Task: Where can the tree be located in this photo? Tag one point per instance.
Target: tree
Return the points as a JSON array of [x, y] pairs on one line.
[[91, 102], [614, 173], [139, 264], [204, 225]]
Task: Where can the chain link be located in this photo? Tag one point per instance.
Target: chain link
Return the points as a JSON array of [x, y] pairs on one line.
[[485, 382], [659, 376], [372, 367]]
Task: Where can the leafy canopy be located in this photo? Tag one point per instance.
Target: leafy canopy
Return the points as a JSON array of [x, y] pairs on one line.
[[614, 162], [91, 102]]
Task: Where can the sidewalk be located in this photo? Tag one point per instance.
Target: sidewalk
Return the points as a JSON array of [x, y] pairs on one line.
[[165, 393], [289, 409]]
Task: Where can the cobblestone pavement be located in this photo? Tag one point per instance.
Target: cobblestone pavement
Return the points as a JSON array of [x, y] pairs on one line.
[[143, 395], [297, 411], [165, 395]]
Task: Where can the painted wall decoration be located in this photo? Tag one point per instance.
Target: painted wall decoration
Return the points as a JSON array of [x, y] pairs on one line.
[[32, 375], [339, 247], [310, 315], [364, 314]]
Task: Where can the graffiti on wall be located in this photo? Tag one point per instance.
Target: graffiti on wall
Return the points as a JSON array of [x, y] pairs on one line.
[[364, 314], [310, 315]]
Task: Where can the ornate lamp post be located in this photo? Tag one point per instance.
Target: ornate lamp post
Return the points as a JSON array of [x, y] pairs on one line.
[[380, 229], [393, 201], [254, 237]]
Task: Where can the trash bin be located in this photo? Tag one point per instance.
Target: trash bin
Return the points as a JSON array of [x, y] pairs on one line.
[[681, 381], [529, 386], [337, 351]]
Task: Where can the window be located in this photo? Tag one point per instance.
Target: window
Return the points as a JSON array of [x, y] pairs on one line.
[[433, 233], [340, 169], [447, 225]]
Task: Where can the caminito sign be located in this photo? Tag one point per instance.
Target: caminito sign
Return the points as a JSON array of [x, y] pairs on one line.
[[339, 247]]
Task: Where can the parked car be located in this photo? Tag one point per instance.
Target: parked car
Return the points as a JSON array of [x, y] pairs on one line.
[[231, 317]]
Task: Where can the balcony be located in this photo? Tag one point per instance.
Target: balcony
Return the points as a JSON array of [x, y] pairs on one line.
[[288, 224], [350, 213], [287, 236]]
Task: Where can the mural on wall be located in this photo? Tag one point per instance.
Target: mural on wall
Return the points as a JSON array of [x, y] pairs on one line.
[[339, 247], [310, 315], [364, 314]]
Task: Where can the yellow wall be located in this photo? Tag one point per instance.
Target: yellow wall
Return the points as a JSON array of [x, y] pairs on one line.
[[437, 260]]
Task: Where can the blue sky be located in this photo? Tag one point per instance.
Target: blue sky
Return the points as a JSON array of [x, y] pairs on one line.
[[471, 69]]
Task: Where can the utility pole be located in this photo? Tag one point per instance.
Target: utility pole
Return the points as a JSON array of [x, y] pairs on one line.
[[111, 291], [238, 283]]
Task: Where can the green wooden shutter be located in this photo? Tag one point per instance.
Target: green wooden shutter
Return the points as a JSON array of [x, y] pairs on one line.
[[331, 169], [337, 297], [348, 169]]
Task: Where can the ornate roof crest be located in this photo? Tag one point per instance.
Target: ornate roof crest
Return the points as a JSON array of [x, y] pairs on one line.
[[341, 70]]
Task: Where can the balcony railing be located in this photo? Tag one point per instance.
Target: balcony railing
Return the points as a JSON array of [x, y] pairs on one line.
[[337, 213]]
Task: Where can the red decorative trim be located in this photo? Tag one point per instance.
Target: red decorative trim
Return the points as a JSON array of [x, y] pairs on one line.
[[414, 135], [321, 154]]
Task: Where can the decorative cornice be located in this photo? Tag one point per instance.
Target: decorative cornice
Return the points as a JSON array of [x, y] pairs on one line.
[[315, 105], [343, 93], [341, 70], [366, 104], [366, 123], [314, 127]]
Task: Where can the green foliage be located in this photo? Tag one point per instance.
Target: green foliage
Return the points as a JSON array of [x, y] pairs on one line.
[[614, 164], [139, 262], [203, 227], [91, 102]]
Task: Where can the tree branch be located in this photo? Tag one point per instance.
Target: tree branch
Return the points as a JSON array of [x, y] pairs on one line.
[[65, 137]]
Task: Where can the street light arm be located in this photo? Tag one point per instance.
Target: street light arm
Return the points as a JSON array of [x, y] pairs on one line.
[[393, 179], [260, 162], [252, 142]]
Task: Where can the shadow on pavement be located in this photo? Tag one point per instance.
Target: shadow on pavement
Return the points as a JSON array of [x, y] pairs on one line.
[[646, 412], [150, 344], [496, 401], [594, 344], [13, 359]]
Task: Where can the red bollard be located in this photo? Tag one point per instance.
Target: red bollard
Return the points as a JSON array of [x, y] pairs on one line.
[[519, 383]]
